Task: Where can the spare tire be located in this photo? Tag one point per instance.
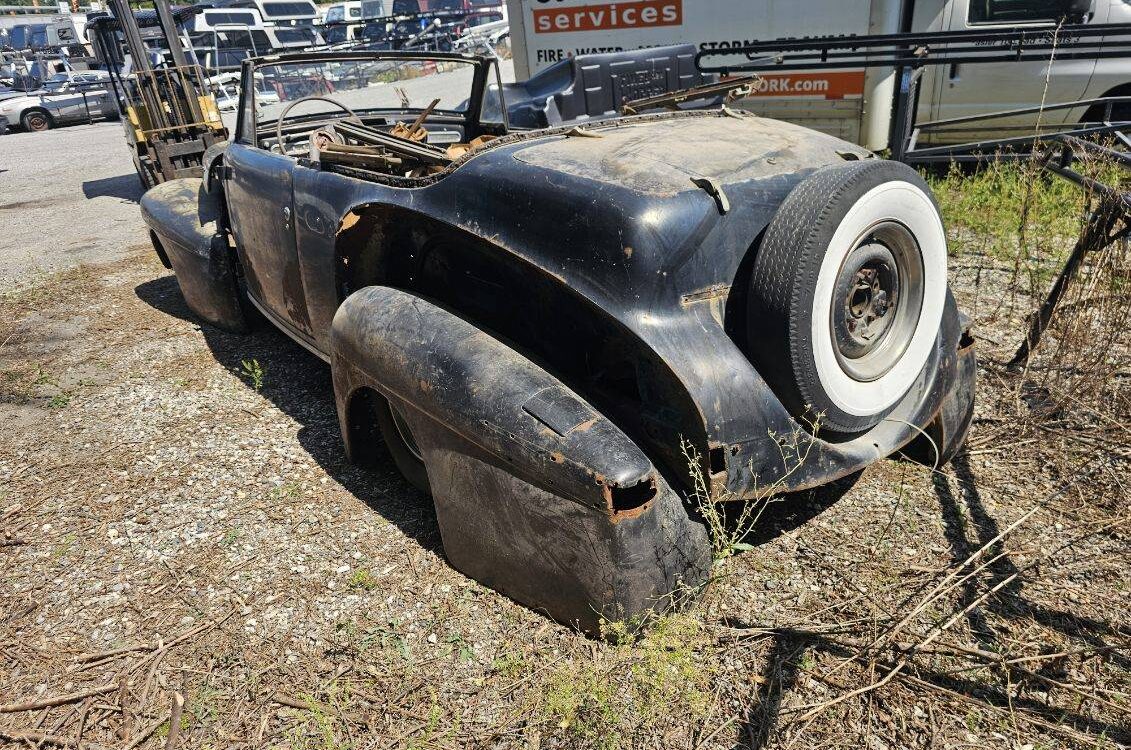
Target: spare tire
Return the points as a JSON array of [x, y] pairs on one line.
[[847, 293]]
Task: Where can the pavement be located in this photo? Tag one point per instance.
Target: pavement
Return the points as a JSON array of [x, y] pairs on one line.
[[67, 196]]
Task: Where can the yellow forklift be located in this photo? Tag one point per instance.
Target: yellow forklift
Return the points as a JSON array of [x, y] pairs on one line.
[[169, 114]]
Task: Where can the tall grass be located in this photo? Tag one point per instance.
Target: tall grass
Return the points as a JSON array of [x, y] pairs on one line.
[[1012, 226]]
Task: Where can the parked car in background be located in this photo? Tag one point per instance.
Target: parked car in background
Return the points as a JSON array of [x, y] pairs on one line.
[[223, 37], [20, 84], [290, 38], [61, 81], [226, 88], [283, 12], [50, 33], [340, 13], [64, 99]]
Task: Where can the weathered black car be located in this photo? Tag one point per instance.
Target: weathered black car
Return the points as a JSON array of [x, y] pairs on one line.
[[536, 323]]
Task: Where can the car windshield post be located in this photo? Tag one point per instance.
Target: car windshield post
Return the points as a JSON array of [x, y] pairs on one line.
[[502, 100], [245, 118]]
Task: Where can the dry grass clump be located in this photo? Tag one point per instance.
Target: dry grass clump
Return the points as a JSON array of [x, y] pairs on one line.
[[634, 689], [1013, 227]]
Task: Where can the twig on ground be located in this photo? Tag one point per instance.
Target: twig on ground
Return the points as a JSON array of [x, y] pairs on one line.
[[39, 738], [175, 721], [86, 658], [58, 700]]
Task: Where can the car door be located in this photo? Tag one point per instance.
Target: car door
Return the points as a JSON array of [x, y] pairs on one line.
[[66, 105], [90, 95], [984, 88], [259, 189]]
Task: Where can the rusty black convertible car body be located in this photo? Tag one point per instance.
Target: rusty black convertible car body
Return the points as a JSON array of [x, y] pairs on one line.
[[537, 324]]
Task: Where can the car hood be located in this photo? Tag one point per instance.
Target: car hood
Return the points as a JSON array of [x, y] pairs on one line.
[[661, 157], [9, 95], [17, 102]]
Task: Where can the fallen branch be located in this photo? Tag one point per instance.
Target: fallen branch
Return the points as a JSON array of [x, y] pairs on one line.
[[58, 700], [45, 739], [175, 721], [85, 658]]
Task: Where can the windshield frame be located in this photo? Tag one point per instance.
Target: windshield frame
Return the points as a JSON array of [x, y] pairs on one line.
[[482, 66]]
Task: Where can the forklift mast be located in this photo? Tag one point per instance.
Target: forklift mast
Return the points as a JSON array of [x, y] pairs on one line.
[[170, 116]]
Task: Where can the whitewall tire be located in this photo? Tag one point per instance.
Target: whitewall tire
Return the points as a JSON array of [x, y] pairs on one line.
[[847, 293]]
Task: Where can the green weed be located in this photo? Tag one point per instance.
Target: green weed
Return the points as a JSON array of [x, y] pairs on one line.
[[58, 401], [253, 372], [995, 208], [362, 580], [634, 686], [319, 729]]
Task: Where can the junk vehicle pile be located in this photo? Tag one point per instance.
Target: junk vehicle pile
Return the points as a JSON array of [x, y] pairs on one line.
[[67, 76], [170, 116]]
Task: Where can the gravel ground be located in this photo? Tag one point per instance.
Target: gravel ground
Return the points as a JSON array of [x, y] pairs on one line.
[[173, 527], [67, 196]]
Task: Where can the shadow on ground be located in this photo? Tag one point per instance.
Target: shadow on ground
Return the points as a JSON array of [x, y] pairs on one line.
[[966, 512], [963, 512], [299, 385], [124, 186]]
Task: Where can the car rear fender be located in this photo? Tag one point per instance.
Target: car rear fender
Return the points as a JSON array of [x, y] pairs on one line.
[[184, 226], [537, 493]]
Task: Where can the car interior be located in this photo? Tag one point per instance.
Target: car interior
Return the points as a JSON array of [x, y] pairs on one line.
[[409, 141]]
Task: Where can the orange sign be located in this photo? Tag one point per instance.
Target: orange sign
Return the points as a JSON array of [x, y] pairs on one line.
[[638, 14], [830, 85]]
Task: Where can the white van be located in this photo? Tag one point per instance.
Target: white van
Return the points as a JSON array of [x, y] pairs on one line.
[[853, 104], [283, 12], [338, 12], [341, 13], [223, 37]]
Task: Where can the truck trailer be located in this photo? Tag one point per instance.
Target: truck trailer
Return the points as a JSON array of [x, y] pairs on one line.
[[856, 105]]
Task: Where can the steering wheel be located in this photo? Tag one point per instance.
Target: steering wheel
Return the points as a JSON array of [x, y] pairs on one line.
[[287, 110]]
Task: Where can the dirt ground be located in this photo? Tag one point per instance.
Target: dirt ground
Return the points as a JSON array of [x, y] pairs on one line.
[[178, 523]]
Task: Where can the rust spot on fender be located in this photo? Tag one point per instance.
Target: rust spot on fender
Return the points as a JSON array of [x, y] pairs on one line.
[[585, 426], [719, 291], [348, 221], [625, 503]]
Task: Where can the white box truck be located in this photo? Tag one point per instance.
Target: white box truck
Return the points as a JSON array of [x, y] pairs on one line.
[[853, 104]]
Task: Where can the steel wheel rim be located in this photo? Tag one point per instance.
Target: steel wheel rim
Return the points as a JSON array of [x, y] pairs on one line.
[[36, 121], [877, 301]]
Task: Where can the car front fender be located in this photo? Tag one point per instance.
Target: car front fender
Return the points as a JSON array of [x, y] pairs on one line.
[[183, 223], [537, 493]]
